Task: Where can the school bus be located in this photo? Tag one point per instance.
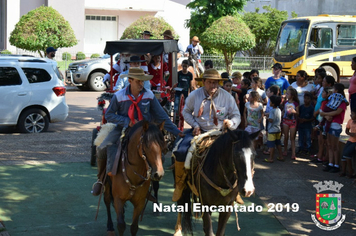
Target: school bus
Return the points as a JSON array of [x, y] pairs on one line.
[[306, 43]]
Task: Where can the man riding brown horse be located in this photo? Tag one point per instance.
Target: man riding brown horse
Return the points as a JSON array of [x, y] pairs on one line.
[[127, 107]]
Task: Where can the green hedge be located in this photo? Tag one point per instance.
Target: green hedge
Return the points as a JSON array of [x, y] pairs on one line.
[[95, 55], [6, 52], [66, 56], [80, 56]]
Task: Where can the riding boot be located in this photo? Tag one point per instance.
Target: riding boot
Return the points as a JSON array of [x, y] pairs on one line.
[[180, 175], [97, 186]]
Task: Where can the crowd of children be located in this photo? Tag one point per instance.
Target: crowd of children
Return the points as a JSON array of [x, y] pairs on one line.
[[312, 110]]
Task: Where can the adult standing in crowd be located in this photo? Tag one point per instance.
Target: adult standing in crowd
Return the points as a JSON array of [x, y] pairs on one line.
[[302, 85], [328, 82], [277, 79], [352, 88]]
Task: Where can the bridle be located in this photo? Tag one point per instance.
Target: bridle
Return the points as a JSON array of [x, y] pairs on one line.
[[125, 162]]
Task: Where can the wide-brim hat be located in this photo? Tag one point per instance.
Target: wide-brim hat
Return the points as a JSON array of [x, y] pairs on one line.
[[137, 73], [196, 39], [168, 34], [134, 59], [147, 32], [211, 74]]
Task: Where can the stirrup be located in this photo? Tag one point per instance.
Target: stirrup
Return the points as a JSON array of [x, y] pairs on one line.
[[102, 187]]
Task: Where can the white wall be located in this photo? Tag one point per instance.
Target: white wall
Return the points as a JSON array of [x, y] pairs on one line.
[[176, 14], [13, 16], [74, 13]]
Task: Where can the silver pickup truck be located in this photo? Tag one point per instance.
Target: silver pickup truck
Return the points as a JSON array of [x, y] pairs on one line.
[[89, 74]]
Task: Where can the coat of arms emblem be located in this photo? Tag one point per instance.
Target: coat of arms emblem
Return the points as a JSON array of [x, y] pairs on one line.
[[328, 205]]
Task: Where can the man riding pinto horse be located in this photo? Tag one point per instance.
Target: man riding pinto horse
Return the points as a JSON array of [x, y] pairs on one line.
[[128, 106], [207, 108]]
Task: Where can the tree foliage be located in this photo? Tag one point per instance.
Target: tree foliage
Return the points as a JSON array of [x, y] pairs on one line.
[[41, 28], [265, 27], [156, 25], [229, 34], [205, 12]]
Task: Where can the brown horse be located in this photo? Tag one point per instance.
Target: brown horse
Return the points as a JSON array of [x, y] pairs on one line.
[[226, 171], [142, 163]]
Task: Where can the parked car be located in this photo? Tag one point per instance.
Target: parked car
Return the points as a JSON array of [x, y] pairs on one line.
[[31, 93], [89, 74]]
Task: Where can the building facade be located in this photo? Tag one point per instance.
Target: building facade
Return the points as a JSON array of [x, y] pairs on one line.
[[305, 7], [95, 22]]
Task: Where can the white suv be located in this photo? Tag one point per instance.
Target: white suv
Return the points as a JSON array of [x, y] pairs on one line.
[[31, 93]]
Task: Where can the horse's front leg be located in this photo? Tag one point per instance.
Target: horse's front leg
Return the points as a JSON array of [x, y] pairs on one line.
[[120, 213], [107, 200], [223, 218], [138, 207], [207, 225], [178, 227]]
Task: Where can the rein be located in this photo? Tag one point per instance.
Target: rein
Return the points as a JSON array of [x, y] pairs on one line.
[[125, 162], [223, 191]]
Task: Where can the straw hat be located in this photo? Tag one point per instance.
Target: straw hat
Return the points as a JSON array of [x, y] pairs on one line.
[[137, 73], [211, 74], [168, 34]]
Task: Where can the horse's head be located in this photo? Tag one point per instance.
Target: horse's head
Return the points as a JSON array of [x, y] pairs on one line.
[[243, 158], [153, 146]]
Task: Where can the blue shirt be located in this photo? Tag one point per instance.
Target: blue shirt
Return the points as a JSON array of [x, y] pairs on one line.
[[150, 108], [194, 50], [306, 113], [282, 83], [124, 82]]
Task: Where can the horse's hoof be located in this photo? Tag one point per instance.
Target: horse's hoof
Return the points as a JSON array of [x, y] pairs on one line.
[[178, 233], [111, 233]]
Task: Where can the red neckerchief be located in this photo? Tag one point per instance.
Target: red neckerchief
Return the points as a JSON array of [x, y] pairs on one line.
[[134, 106]]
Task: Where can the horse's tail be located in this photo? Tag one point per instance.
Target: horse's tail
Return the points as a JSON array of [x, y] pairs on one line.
[[187, 216]]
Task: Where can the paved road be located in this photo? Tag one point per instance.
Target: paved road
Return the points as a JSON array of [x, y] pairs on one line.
[[69, 142]]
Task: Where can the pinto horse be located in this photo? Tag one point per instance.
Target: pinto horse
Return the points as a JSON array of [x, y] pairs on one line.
[[142, 163], [226, 171]]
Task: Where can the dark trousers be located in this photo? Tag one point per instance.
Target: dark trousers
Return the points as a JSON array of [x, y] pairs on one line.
[[304, 137], [184, 145]]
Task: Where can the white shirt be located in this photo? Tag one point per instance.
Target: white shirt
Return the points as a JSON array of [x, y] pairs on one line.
[[226, 108], [302, 90]]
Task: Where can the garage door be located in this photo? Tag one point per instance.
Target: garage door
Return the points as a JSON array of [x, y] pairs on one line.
[[98, 30]]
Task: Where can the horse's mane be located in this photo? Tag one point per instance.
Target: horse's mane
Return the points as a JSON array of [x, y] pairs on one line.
[[152, 135], [222, 148]]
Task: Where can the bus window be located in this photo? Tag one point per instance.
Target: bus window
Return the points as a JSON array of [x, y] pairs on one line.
[[321, 38], [346, 35]]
